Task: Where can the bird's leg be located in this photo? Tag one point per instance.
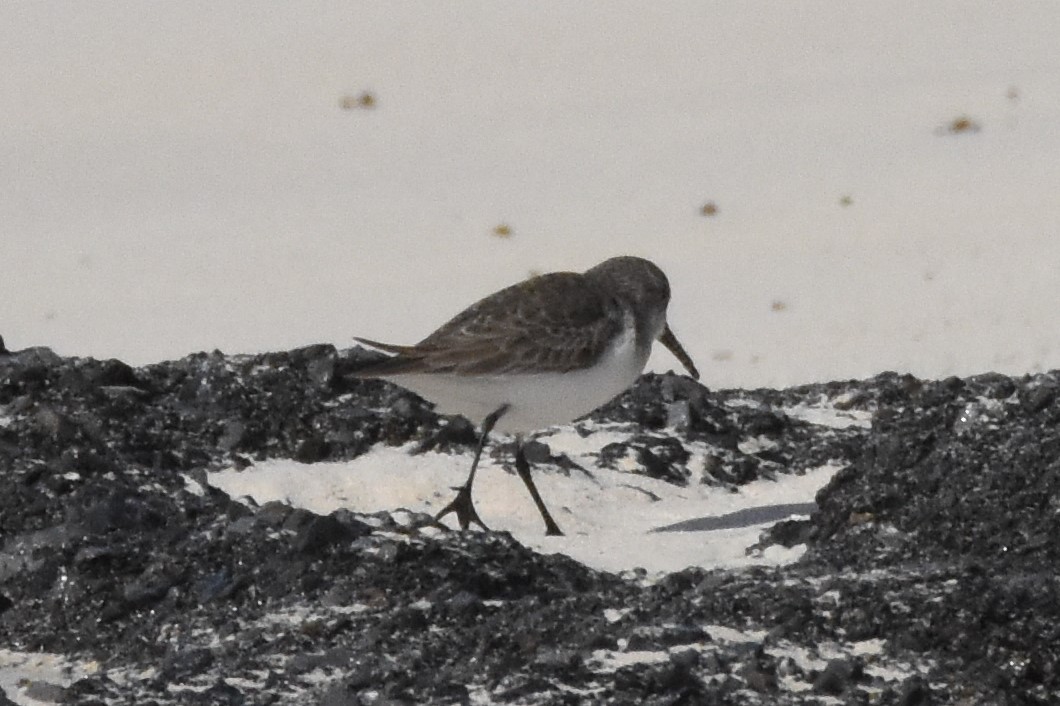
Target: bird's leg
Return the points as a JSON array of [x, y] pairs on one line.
[[522, 466], [462, 504]]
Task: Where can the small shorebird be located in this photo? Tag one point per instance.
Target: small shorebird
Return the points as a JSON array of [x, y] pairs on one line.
[[542, 352]]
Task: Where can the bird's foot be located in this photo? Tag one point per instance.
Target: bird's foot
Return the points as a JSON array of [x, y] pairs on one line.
[[464, 509]]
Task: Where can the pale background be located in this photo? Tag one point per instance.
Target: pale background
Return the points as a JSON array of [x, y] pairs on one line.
[[184, 176]]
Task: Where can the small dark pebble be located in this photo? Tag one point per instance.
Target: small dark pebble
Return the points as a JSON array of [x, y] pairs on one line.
[[45, 691], [838, 676], [322, 532], [537, 452], [914, 692]]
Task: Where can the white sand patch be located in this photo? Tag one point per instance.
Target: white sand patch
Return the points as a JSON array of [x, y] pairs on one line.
[[566, 440], [877, 662], [607, 661], [824, 413], [608, 518], [723, 633], [815, 658], [23, 673]]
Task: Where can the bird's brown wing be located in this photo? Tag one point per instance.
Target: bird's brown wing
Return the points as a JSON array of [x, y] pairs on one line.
[[552, 323]]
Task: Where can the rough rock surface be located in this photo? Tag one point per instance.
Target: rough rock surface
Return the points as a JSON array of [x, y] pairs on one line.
[[931, 575]]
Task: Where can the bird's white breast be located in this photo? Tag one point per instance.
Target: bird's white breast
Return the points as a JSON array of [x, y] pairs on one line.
[[535, 400]]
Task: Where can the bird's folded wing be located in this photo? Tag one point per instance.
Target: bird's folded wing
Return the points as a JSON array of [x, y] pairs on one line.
[[553, 323]]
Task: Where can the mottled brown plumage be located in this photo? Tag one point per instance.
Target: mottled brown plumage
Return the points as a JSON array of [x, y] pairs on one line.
[[544, 351], [549, 323]]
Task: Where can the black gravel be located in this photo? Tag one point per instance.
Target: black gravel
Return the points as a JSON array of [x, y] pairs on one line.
[[931, 575]]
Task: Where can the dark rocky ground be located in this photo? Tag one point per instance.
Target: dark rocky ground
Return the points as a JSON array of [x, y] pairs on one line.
[[931, 575]]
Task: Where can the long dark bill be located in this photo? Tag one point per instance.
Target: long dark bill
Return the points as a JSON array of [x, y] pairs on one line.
[[669, 340]]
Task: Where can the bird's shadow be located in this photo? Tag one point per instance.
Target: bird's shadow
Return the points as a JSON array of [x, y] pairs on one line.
[[748, 517]]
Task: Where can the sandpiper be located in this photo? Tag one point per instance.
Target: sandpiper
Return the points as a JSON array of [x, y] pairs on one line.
[[541, 352]]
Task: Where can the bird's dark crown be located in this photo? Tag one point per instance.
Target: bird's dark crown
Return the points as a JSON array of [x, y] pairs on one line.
[[634, 279]]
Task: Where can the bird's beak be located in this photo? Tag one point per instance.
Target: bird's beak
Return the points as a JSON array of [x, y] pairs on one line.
[[669, 340]]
